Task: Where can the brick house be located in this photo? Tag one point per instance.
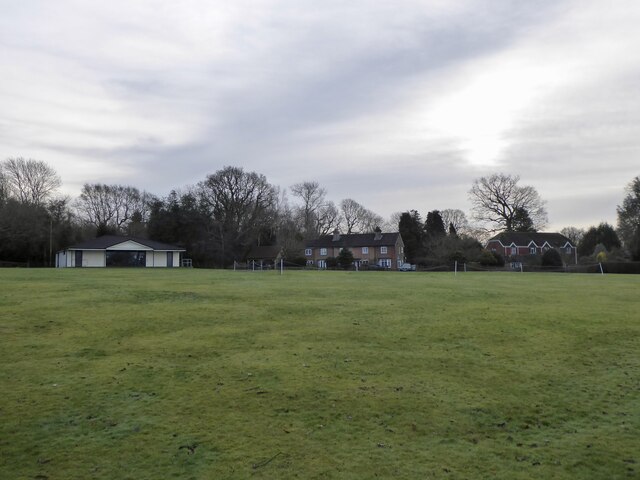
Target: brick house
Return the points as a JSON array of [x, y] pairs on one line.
[[381, 249], [526, 246]]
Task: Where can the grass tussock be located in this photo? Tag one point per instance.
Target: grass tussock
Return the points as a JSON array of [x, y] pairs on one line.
[[208, 374]]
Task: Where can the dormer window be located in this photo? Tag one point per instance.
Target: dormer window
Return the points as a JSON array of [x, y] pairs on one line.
[[533, 250]]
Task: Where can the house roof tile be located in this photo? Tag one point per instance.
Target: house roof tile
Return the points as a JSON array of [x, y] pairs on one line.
[[523, 239], [106, 241], [354, 240]]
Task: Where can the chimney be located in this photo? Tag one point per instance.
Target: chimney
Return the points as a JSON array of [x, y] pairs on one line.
[[336, 235], [378, 234]]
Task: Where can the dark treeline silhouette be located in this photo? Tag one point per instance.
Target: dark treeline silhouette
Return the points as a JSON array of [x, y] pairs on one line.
[[220, 219]]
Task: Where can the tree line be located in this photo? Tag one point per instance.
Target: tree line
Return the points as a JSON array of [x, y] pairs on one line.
[[219, 219]]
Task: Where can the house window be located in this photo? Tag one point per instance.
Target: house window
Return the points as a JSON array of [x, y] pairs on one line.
[[322, 264], [568, 249], [365, 250], [532, 250], [307, 252], [383, 250], [514, 250], [385, 262], [323, 251]]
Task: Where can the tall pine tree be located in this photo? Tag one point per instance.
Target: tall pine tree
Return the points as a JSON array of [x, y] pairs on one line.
[[411, 229]]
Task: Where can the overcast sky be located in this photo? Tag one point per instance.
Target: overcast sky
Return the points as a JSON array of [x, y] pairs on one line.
[[397, 104]]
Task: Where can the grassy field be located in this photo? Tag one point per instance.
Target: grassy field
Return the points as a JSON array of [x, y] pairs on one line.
[[194, 374]]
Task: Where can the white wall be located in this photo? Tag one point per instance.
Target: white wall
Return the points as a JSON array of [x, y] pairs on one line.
[[159, 259], [156, 259], [61, 259], [98, 259], [93, 259]]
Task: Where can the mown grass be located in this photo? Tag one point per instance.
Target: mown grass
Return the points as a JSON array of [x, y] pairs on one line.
[[193, 374]]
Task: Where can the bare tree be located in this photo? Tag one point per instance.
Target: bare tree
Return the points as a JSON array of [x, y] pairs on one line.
[[240, 205], [316, 216], [327, 219], [393, 223], [498, 199], [4, 187], [313, 198], [357, 218], [111, 207], [370, 221], [288, 233], [457, 218], [351, 214], [574, 234], [30, 181], [629, 219]]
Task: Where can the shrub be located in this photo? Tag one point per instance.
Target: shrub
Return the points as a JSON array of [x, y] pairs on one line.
[[345, 258], [551, 258], [487, 259], [297, 261], [458, 256], [621, 267], [332, 262]]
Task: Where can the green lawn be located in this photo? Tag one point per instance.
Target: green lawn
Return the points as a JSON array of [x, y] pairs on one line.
[[195, 374]]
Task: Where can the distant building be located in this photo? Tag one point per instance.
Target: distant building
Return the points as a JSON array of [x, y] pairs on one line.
[[384, 250], [265, 255], [525, 246], [119, 251]]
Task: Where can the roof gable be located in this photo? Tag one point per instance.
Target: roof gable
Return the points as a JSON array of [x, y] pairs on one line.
[[129, 245], [526, 239]]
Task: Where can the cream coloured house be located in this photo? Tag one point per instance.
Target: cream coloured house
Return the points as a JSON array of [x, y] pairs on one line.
[[120, 251]]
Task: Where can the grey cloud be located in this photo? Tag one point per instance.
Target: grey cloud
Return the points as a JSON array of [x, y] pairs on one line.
[[299, 91]]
